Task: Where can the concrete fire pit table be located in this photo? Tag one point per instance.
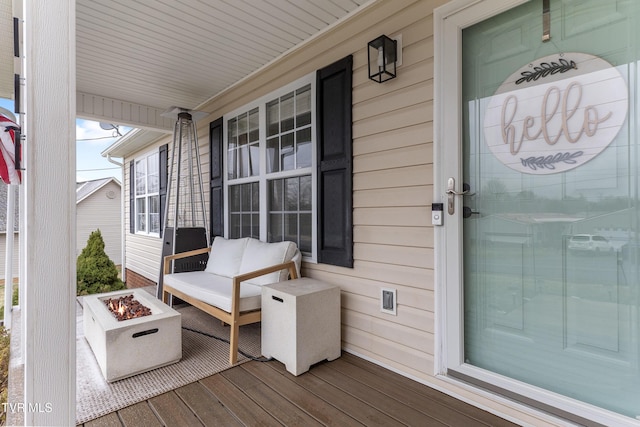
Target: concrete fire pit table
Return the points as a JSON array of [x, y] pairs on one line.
[[129, 347]]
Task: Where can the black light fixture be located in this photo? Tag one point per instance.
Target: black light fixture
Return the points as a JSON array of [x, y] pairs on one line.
[[382, 59]]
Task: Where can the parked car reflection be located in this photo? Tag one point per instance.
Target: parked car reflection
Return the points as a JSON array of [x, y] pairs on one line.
[[590, 243]]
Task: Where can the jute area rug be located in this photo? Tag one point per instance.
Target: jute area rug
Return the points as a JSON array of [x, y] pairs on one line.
[[202, 356]]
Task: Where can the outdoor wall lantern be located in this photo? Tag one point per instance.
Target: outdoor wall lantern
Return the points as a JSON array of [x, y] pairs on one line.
[[382, 59]]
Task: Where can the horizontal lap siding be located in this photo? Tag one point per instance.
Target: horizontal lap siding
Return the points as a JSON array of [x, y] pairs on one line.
[[99, 211], [393, 177]]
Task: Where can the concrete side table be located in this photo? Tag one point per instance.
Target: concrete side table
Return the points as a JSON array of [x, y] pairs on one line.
[[301, 323]]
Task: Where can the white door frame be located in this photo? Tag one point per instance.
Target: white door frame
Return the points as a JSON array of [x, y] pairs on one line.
[[449, 21]]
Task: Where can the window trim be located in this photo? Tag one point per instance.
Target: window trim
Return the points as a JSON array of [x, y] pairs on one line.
[[145, 157], [263, 177]]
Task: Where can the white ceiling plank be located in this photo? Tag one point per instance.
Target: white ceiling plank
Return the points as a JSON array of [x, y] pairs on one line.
[[294, 12], [158, 53]]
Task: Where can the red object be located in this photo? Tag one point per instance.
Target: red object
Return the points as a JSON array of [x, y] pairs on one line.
[[8, 171]]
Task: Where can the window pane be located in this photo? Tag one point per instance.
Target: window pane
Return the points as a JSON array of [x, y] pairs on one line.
[[234, 198], [275, 195], [246, 225], [254, 160], [243, 153], [243, 129], [141, 172], [154, 223], [303, 106], [275, 227], [273, 118], [254, 125], [232, 133], [255, 226], [305, 233], [273, 155], [291, 227], [244, 208], [255, 197], [153, 182], [291, 194], [154, 204], [287, 153], [305, 193], [234, 226], [141, 214], [286, 112], [245, 198], [232, 164], [303, 148]]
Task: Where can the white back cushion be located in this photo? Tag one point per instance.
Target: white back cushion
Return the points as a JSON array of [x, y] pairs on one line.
[[226, 256], [259, 255]]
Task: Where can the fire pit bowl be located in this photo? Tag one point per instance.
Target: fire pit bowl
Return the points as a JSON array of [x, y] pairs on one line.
[[129, 347]]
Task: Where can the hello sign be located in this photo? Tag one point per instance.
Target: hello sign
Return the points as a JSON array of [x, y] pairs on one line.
[[556, 114]]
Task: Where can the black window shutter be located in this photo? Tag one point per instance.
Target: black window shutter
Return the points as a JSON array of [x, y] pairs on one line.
[[132, 198], [216, 174], [335, 180], [164, 174]]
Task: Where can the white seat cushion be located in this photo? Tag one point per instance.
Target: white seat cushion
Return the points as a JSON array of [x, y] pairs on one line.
[[225, 256], [215, 290], [259, 255]]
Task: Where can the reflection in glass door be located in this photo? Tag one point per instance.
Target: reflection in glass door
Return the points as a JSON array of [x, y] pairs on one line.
[[551, 244]]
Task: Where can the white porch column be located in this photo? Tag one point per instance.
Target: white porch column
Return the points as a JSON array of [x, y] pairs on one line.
[[49, 306]]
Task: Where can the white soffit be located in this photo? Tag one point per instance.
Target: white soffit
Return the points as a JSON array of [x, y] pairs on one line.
[[6, 49], [156, 53]]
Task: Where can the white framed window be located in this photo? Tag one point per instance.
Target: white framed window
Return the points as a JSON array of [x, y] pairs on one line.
[[270, 159], [147, 194]]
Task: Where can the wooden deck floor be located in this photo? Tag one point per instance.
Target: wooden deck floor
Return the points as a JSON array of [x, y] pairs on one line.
[[346, 392]]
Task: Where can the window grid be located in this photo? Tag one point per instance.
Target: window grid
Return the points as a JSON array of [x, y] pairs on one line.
[[243, 152], [285, 159], [290, 211], [244, 210], [147, 198]]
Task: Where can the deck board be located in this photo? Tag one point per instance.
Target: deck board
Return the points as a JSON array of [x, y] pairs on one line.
[[349, 391], [238, 402], [172, 411], [437, 398], [205, 406], [279, 407], [139, 414], [324, 412]]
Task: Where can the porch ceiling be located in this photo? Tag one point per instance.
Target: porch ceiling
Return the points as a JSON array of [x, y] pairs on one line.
[[137, 58]]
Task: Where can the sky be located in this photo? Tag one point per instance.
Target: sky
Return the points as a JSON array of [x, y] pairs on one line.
[[91, 140]]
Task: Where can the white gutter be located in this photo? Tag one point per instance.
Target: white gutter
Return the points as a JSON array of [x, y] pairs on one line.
[[122, 234]]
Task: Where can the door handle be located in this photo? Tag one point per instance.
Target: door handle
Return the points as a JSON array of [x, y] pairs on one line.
[[451, 193]]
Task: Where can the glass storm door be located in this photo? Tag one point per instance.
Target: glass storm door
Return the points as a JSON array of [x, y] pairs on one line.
[[550, 162]]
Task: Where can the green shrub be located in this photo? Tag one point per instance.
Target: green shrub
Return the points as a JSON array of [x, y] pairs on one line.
[[96, 273], [4, 370]]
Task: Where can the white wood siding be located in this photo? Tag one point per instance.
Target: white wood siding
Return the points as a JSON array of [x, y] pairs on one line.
[[99, 211]]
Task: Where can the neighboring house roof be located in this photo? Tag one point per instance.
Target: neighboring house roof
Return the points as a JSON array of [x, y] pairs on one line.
[[3, 208], [87, 188]]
